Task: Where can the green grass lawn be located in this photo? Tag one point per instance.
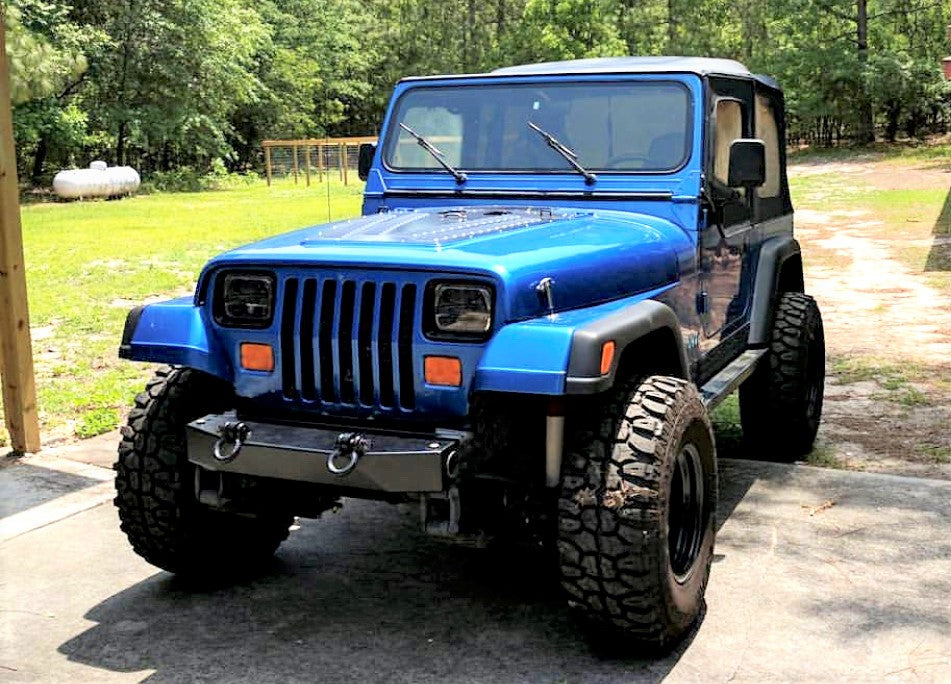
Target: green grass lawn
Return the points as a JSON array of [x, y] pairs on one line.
[[88, 263]]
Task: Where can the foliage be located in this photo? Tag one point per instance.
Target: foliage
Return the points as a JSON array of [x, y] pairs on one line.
[[96, 422], [189, 179], [43, 48], [177, 85]]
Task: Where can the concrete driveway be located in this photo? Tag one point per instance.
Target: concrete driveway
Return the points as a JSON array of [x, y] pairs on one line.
[[819, 575]]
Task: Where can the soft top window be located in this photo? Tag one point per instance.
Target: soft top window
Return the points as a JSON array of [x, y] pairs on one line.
[[622, 126]]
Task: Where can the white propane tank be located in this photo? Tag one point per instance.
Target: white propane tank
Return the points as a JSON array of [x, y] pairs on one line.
[[98, 180]]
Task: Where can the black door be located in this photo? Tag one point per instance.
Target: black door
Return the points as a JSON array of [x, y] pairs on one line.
[[724, 241]]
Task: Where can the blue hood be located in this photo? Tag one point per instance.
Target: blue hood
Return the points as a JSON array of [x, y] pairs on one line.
[[592, 255]]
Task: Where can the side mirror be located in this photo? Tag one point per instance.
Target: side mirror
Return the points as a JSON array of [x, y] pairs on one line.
[[747, 163], [365, 160]]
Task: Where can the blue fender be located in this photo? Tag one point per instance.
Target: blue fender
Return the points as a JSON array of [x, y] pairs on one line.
[[530, 357], [561, 354], [174, 332]]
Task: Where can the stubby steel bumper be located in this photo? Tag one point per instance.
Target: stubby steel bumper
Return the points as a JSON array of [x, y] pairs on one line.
[[351, 459]]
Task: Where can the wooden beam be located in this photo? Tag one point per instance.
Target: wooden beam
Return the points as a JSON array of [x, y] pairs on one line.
[[296, 165], [320, 164], [267, 164], [307, 164], [319, 141], [343, 161], [16, 352]]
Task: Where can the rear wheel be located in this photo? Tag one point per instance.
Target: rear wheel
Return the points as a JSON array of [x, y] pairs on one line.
[[781, 403], [637, 510], [155, 484]]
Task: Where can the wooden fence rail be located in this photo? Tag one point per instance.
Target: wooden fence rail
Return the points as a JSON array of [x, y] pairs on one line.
[[329, 153]]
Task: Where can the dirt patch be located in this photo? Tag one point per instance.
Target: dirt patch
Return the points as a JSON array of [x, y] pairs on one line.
[[871, 301], [878, 174], [878, 309], [866, 430]]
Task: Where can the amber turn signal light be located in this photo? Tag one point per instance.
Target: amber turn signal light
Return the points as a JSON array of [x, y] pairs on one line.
[[257, 357], [443, 370], [607, 356]]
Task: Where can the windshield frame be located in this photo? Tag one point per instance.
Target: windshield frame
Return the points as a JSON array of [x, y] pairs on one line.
[[392, 131]]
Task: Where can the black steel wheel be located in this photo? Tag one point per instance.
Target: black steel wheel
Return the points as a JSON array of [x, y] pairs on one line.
[[685, 523]]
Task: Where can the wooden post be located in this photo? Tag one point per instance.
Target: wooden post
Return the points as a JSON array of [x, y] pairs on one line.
[[267, 163], [340, 159], [296, 165], [343, 148], [16, 352], [320, 162], [307, 163]]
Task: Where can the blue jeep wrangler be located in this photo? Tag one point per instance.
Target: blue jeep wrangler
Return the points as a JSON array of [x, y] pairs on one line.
[[559, 270]]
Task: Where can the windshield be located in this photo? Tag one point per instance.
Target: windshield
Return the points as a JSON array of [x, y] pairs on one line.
[[622, 126]]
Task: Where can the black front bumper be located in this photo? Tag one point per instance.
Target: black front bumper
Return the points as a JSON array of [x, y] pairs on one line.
[[390, 462]]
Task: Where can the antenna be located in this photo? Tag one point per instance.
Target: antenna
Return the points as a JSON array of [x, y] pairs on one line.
[[327, 166]]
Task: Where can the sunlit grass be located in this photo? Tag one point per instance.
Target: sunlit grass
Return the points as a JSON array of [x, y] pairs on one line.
[[908, 152], [88, 263]]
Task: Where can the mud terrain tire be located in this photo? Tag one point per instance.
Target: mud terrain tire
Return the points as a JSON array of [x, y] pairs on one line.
[[637, 511], [781, 403], [158, 510]]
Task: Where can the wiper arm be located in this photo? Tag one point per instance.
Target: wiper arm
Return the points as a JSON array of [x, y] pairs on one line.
[[565, 152], [436, 154]]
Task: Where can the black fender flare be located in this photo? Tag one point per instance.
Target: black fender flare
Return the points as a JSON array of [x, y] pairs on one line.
[[624, 327], [774, 254]]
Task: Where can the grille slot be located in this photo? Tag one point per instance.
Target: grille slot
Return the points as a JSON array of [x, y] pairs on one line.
[[365, 342], [288, 353], [348, 342], [405, 345], [327, 300], [387, 310], [308, 381], [345, 340]]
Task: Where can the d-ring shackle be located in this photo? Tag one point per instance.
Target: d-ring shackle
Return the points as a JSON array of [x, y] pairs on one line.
[[235, 434], [350, 445]]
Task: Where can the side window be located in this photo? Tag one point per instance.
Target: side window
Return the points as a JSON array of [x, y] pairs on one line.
[[729, 127], [768, 132]]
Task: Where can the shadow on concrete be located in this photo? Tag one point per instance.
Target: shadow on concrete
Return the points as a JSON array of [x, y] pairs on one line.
[[865, 556], [23, 486], [364, 596], [939, 258]]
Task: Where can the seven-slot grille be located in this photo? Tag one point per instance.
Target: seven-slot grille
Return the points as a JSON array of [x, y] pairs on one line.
[[348, 342]]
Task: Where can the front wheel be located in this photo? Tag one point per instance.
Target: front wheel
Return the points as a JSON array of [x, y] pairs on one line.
[[155, 484], [637, 510]]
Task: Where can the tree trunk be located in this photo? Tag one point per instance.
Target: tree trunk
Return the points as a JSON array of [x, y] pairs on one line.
[[39, 159], [120, 145], [866, 122], [892, 114], [671, 27], [499, 18], [470, 36]]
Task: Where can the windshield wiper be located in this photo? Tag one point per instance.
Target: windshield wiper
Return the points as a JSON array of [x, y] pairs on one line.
[[436, 154], [565, 152]]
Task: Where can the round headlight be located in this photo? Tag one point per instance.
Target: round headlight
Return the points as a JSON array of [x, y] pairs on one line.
[[460, 309]]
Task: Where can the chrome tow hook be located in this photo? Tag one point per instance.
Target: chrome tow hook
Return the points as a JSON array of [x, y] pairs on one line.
[[349, 445], [234, 433]]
